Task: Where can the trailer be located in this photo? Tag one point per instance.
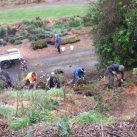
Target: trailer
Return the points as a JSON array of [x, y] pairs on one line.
[[8, 58]]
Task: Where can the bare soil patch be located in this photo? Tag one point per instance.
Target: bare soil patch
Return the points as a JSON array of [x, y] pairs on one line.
[[76, 105], [126, 106]]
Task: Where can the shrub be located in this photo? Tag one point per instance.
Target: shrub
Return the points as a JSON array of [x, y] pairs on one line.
[[37, 22], [19, 123], [93, 117], [75, 22], [17, 42], [6, 111], [2, 32], [35, 116], [70, 40], [44, 103], [64, 129], [55, 92], [3, 42], [2, 84], [32, 37], [86, 21], [135, 71], [6, 39], [11, 31], [114, 32], [11, 40], [39, 44], [41, 36]]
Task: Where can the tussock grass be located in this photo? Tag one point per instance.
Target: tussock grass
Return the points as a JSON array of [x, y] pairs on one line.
[[93, 117]]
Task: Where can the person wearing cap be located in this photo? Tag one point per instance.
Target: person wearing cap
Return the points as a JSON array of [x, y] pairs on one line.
[[78, 73], [5, 76], [52, 81], [58, 42], [112, 70], [31, 80]]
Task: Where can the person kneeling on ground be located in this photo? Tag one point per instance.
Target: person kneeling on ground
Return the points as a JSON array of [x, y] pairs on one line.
[[78, 73], [113, 70], [5, 76], [52, 81], [31, 80]]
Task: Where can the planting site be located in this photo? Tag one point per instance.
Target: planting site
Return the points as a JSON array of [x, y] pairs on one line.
[[67, 68]]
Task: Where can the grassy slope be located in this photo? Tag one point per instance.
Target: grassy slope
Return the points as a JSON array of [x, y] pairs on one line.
[[18, 14]]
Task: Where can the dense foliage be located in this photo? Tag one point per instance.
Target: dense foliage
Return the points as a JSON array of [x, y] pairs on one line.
[[115, 29]]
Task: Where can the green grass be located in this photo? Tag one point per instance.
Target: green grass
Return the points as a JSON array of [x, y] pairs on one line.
[[19, 123], [93, 117], [6, 111], [19, 14]]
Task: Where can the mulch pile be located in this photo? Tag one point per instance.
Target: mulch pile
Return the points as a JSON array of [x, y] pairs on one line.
[[119, 129]]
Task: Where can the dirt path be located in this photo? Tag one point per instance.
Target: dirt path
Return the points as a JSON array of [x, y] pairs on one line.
[[46, 3], [67, 62]]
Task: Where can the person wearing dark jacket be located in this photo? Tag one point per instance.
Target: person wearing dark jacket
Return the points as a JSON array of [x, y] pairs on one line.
[[5, 76], [52, 81], [112, 71], [58, 42]]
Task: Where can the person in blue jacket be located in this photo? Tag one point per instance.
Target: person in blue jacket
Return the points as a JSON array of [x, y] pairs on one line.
[[58, 42], [112, 70], [79, 72]]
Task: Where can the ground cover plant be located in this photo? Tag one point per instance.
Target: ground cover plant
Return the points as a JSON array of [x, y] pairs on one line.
[[40, 32]]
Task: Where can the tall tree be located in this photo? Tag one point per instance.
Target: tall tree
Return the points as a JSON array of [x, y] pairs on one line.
[[115, 30]]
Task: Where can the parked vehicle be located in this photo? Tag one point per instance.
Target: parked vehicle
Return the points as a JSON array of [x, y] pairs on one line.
[[7, 59]]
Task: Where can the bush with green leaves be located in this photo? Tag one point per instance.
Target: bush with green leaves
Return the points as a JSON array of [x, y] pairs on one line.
[[11, 40], [19, 123], [2, 32], [114, 24], [39, 44], [70, 40], [17, 42], [135, 71], [2, 84], [64, 129], [93, 117], [6, 111], [55, 92], [75, 22], [3, 42], [11, 31]]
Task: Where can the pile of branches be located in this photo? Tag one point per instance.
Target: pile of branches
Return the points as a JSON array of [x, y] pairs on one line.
[[119, 129]]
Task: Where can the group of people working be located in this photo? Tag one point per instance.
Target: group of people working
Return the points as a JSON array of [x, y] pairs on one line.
[[31, 78], [52, 82]]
